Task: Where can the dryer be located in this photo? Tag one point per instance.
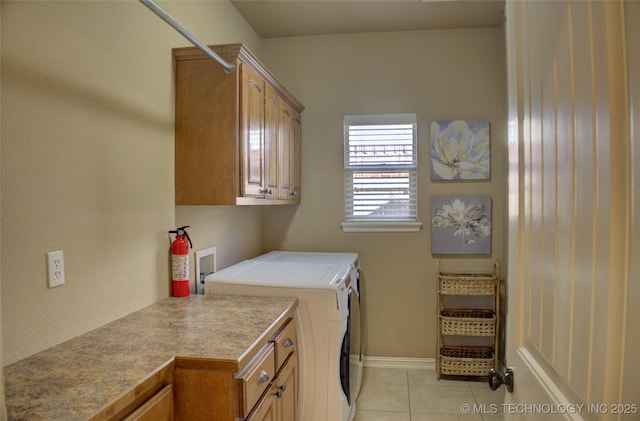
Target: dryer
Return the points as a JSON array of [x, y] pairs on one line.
[[354, 346], [322, 325]]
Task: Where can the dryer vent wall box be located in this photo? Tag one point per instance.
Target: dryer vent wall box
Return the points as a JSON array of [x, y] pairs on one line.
[[205, 265]]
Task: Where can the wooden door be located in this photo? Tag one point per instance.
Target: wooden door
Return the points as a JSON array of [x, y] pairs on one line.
[[296, 156], [284, 136], [266, 409], [252, 132], [158, 408], [286, 386], [272, 144]]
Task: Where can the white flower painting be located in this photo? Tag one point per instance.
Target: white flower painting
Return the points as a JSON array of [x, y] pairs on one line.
[[460, 150], [461, 224]]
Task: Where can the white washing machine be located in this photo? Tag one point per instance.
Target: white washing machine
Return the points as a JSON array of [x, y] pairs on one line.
[[322, 322], [313, 257], [357, 328]]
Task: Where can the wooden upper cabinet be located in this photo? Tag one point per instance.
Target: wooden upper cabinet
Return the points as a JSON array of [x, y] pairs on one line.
[[234, 142]]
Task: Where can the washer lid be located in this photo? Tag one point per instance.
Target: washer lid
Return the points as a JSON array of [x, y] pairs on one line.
[[310, 257], [282, 274]]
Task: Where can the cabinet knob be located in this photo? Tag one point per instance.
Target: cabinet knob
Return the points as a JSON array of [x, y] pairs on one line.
[[288, 342], [264, 377], [281, 390], [293, 194], [266, 191]]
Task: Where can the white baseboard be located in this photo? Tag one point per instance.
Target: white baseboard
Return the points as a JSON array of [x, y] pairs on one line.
[[400, 362]]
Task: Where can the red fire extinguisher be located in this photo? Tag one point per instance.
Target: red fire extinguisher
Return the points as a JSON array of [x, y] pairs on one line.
[[180, 262]]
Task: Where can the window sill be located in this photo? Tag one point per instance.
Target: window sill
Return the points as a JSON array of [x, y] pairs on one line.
[[381, 226]]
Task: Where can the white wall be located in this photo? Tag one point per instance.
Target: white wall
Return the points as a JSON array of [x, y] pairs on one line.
[[87, 162], [439, 75]]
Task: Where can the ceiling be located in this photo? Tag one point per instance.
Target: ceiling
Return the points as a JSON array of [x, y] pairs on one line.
[[289, 18]]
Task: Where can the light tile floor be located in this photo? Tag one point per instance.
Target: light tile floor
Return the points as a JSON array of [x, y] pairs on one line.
[[390, 394]]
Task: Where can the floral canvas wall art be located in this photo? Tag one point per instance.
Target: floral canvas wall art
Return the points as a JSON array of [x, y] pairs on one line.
[[461, 224], [460, 150]]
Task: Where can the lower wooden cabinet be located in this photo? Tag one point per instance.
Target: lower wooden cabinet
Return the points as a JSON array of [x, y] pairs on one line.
[[151, 400], [202, 357], [279, 403], [265, 410], [158, 408], [286, 390], [265, 389]]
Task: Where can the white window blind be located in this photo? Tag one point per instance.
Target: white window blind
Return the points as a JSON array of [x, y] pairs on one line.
[[381, 164]]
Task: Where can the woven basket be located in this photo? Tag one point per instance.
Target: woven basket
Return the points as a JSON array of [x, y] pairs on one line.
[[466, 361], [467, 284], [468, 326]]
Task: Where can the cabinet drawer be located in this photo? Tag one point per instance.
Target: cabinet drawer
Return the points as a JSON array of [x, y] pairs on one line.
[[256, 377], [285, 343]]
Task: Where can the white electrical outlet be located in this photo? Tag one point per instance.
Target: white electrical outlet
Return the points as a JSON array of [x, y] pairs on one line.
[[55, 268]]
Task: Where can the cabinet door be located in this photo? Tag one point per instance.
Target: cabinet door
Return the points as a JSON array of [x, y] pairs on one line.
[[252, 132], [158, 408], [272, 143], [296, 161], [286, 386], [266, 410], [284, 136]]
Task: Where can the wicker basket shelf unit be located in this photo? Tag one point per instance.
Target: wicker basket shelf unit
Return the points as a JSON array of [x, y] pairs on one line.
[[458, 352]]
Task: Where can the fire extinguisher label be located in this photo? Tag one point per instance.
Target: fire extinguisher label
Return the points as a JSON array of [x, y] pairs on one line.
[[180, 267]]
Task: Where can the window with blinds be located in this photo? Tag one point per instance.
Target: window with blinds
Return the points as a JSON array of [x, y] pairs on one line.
[[381, 162]]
